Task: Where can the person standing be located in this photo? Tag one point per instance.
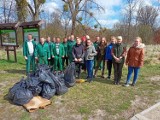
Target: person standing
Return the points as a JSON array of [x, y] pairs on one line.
[[29, 53], [101, 56], [70, 45], [50, 44], [58, 55], [78, 56], [135, 60], [65, 59], [54, 40], [42, 53], [96, 43], [89, 57], [118, 53], [108, 56]]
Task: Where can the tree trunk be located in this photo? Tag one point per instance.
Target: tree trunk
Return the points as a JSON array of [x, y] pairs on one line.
[[73, 25]]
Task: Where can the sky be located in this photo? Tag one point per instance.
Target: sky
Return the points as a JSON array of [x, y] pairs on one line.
[[113, 13]]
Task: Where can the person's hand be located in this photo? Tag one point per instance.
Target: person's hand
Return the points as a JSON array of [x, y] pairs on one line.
[[106, 60], [80, 59], [52, 56], [75, 59], [25, 58], [49, 58], [117, 60], [62, 56], [126, 63], [36, 58]]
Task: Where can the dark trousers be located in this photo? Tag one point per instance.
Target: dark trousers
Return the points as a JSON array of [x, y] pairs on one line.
[[100, 60], [109, 67], [117, 71], [78, 69], [65, 61]]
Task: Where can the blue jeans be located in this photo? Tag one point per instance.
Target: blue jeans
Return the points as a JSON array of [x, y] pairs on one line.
[[130, 71], [89, 66]]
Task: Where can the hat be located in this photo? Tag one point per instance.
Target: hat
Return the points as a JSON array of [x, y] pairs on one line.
[[119, 37], [87, 37]]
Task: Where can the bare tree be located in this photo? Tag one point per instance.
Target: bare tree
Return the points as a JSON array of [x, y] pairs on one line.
[[7, 9], [147, 16], [34, 7], [78, 8], [129, 16]]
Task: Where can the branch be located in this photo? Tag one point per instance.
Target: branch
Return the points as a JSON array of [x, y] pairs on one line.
[[31, 9]]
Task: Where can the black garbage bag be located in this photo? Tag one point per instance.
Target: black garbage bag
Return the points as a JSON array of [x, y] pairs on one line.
[[16, 86], [22, 96], [69, 75], [34, 85], [45, 78], [59, 84], [48, 91], [19, 94]]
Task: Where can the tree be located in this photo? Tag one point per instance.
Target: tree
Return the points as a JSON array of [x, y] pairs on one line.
[[129, 16], [7, 11], [79, 8], [22, 11], [147, 16], [33, 7]]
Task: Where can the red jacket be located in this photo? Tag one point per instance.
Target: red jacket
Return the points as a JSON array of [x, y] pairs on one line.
[[135, 56]]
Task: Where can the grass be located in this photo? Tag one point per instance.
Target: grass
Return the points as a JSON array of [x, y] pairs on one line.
[[85, 99]]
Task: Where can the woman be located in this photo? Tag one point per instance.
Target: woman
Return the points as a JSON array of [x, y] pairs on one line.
[[89, 57], [108, 56], [134, 60], [78, 55], [101, 56], [118, 53]]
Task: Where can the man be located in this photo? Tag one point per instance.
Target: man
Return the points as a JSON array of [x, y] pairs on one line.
[[96, 44], [65, 59], [78, 56], [42, 53], [58, 54], [28, 53], [50, 44], [70, 45], [118, 53], [53, 40]]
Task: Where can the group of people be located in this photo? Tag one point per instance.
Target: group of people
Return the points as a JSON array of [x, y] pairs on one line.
[[87, 55]]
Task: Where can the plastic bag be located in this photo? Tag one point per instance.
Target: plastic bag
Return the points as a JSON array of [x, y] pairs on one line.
[[44, 77], [69, 75], [19, 94], [59, 84], [15, 87], [22, 96], [34, 85], [48, 91]]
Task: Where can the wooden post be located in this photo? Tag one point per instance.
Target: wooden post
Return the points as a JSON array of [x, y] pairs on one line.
[[7, 52], [15, 55]]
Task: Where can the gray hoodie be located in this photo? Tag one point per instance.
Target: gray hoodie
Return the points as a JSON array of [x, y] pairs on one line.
[[90, 52]]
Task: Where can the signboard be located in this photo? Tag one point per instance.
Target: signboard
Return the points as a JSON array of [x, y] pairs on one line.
[[33, 31], [8, 37]]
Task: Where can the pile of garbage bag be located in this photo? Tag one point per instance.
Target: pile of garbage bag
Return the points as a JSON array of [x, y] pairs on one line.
[[42, 83]]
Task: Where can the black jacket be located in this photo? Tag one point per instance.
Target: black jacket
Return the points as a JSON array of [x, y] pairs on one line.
[[78, 51]]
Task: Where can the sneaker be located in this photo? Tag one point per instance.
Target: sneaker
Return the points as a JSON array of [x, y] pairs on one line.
[[126, 85], [108, 78]]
